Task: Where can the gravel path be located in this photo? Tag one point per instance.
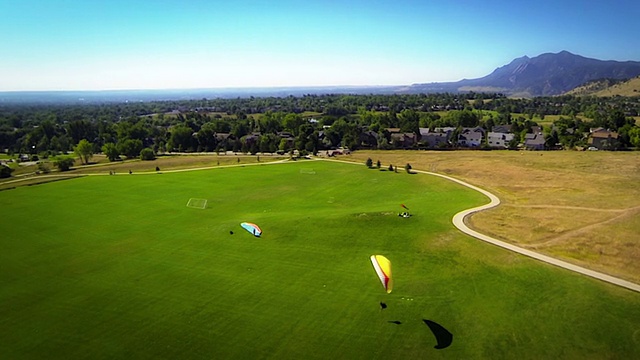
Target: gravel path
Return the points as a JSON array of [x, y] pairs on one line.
[[458, 221]]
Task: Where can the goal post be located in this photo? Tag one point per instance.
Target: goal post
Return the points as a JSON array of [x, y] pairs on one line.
[[197, 203]]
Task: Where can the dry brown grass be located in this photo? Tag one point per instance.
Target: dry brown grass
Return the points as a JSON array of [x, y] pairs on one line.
[[582, 207]]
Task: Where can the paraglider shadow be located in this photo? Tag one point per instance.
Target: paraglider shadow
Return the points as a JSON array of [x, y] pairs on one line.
[[395, 322], [443, 336]]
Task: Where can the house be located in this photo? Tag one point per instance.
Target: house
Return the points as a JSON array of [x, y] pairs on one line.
[[471, 137], [534, 141], [434, 139], [368, 139], [603, 139], [506, 128], [403, 140], [499, 140], [225, 140], [446, 129]]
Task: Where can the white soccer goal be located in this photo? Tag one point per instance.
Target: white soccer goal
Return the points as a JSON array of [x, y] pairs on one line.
[[197, 203]]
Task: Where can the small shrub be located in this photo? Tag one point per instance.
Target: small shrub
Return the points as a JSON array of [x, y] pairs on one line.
[[147, 154], [44, 168], [369, 162], [408, 168], [64, 164], [5, 171]]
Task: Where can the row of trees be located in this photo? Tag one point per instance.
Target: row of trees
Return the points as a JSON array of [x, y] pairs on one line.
[[19, 114], [283, 124]]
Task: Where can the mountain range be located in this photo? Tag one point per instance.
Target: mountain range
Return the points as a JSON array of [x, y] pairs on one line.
[[544, 75]]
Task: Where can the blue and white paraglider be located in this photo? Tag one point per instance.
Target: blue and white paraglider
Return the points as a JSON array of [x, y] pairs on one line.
[[252, 228]]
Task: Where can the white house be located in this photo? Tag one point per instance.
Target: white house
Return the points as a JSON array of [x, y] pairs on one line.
[[499, 140], [471, 137]]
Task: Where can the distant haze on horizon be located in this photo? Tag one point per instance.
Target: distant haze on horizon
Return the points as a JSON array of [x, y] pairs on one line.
[[186, 44]]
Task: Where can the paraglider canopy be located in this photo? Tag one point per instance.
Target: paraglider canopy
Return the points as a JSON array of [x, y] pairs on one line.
[[252, 228], [382, 266]]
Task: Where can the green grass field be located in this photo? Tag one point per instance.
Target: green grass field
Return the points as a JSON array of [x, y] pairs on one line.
[[106, 267]]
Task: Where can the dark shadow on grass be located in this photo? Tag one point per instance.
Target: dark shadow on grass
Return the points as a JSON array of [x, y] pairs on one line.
[[443, 336]]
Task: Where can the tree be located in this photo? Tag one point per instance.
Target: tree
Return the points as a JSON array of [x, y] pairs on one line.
[[147, 154], [64, 163], [80, 129], [84, 150], [284, 145], [408, 168], [181, 139], [207, 137], [292, 123], [551, 139], [111, 151], [409, 121], [5, 171], [43, 168], [634, 137], [130, 148], [513, 143]]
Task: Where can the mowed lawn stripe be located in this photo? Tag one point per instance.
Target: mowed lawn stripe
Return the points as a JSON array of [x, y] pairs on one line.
[[119, 266]]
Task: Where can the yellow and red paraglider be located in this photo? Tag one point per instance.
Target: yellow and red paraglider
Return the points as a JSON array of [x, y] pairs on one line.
[[382, 265]]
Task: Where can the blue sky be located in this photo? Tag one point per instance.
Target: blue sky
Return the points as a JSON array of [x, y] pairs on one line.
[[166, 44]]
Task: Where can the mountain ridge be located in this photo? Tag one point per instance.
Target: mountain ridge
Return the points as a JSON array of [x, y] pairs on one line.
[[543, 75]]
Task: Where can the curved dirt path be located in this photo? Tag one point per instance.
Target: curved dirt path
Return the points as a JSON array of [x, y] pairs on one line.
[[458, 222]]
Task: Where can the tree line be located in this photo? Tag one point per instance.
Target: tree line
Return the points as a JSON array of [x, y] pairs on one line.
[[308, 123]]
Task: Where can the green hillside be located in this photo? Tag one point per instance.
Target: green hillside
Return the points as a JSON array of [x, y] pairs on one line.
[[608, 88]]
